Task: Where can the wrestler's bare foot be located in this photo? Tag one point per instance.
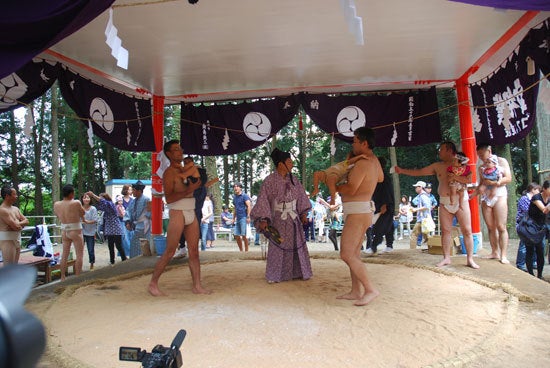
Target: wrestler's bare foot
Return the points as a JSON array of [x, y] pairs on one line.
[[492, 256], [504, 260], [471, 263], [349, 296], [154, 290], [201, 290], [444, 262], [367, 298]]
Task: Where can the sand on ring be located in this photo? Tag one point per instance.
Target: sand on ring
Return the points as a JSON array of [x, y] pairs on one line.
[[421, 318]]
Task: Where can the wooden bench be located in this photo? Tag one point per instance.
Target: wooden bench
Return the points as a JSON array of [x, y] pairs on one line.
[[222, 231], [48, 269]]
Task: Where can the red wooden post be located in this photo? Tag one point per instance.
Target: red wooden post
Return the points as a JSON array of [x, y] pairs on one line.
[[468, 141], [158, 130]]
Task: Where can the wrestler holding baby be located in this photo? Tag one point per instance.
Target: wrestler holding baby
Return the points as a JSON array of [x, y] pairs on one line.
[[181, 204]]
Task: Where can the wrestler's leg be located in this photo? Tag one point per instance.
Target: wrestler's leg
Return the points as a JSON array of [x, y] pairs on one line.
[[362, 290], [173, 235], [8, 252], [464, 219], [78, 242], [66, 241], [191, 232], [488, 217], [446, 223], [18, 253], [500, 215], [317, 175]]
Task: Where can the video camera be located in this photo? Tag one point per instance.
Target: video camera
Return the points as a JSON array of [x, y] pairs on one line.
[[22, 336], [159, 357]]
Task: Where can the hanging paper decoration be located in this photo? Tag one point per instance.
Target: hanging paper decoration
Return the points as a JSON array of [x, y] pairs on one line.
[[394, 136], [355, 23], [225, 143], [332, 145], [115, 43], [29, 122], [90, 131]]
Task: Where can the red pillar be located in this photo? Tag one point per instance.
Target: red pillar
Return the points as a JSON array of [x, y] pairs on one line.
[[468, 141], [158, 131]]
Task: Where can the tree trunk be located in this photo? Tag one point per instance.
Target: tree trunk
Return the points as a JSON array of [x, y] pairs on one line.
[[512, 196], [528, 160], [13, 152], [395, 179], [227, 185], [214, 190], [37, 137], [68, 159], [56, 180]]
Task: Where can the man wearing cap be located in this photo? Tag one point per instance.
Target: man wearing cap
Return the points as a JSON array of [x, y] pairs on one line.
[[181, 205], [138, 218], [423, 210], [283, 204], [242, 205], [447, 153]]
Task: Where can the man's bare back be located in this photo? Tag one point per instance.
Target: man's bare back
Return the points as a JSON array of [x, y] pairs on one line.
[[68, 211]]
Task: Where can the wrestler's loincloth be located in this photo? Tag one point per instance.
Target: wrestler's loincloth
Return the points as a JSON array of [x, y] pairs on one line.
[[452, 208], [15, 236], [185, 205], [351, 208], [71, 226]]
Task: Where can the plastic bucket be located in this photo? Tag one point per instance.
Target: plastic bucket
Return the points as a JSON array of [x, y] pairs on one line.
[[160, 244], [463, 247]]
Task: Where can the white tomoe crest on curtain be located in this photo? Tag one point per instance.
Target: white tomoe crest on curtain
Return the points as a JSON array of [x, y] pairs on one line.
[[12, 88], [349, 119], [102, 114], [257, 126]]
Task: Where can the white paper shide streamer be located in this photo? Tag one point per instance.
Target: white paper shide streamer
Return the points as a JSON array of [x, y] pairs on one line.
[[29, 122], [355, 23], [115, 43], [90, 132]]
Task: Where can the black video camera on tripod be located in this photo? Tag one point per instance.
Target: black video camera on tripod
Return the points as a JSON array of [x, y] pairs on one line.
[[159, 357]]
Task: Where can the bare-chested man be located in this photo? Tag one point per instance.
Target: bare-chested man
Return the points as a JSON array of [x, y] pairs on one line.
[[358, 211], [447, 152], [12, 222], [181, 204], [495, 216], [70, 211]]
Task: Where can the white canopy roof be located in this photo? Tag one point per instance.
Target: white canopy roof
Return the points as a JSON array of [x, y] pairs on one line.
[[220, 49]]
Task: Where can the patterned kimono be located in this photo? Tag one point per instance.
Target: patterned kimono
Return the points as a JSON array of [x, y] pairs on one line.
[[282, 203], [137, 214]]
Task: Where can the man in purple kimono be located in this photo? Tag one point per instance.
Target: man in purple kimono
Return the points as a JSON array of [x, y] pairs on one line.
[[283, 204]]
